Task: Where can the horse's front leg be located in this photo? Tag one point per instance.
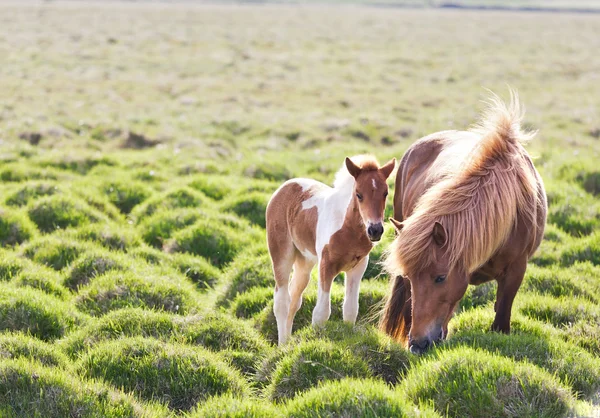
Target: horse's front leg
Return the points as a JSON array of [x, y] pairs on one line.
[[322, 309], [508, 285], [353, 278]]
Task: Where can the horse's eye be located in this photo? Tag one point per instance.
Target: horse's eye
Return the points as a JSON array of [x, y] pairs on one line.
[[385, 194], [360, 197], [440, 279]]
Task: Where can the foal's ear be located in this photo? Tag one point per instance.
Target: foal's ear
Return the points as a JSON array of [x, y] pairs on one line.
[[397, 224], [387, 169], [353, 169], [439, 234]]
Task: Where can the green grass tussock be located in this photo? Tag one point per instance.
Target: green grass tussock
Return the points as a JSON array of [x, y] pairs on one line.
[[92, 264], [43, 278], [251, 303], [15, 228], [228, 406], [352, 398], [177, 375], [55, 251], [35, 312], [29, 389], [18, 345], [125, 195], [113, 237], [248, 271], [251, 206], [61, 212], [197, 269], [159, 227], [32, 191], [179, 197], [146, 287], [466, 382]]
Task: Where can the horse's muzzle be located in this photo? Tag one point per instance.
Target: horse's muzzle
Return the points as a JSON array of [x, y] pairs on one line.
[[422, 345], [375, 231]]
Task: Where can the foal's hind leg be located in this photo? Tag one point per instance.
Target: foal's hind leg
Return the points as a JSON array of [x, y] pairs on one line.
[[300, 279], [281, 249], [508, 285]]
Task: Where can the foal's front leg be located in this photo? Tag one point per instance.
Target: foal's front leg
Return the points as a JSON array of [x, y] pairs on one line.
[[353, 278], [322, 309]]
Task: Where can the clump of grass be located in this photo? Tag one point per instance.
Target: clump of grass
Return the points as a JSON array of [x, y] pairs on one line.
[[247, 363], [478, 296], [218, 331], [248, 271], [229, 406], [371, 295], [92, 264], [572, 209], [551, 247], [114, 237], [125, 195], [122, 323], [466, 382], [56, 251], [179, 197], [585, 335], [249, 304], [251, 206], [60, 212], [43, 278], [354, 398], [11, 265], [558, 282], [177, 375], [560, 312], [585, 249], [145, 287], [215, 187], [17, 172], [35, 312], [211, 239], [18, 345], [573, 365], [197, 269], [310, 363], [31, 191], [158, 228], [30, 389], [15, 228], [149, 255], [277, 172]]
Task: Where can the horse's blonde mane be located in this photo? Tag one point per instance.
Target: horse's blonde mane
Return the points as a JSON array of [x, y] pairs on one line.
[[343, 179], [478, 204]]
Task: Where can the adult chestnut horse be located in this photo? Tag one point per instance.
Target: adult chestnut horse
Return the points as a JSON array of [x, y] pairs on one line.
[[469, 207], [311, 223]]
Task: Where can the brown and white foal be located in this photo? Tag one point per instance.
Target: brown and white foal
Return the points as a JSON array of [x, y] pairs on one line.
[[311, 223]]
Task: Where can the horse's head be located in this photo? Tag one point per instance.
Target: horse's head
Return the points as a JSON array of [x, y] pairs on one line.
[[371, 190], [436, 288]]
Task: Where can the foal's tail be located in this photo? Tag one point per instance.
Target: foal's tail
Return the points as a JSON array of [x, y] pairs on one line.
[[396, 317]]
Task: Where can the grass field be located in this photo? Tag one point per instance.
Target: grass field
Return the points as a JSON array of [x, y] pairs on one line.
[[141, 142]]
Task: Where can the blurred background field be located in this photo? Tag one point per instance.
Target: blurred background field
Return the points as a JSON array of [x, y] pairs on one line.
[[141, 141]]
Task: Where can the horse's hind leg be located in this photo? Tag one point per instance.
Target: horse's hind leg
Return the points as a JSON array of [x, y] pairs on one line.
[[281, 249], [300, 279], [508, 285]]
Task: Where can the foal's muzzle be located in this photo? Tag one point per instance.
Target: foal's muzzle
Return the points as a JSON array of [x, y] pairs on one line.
[[375, 231]]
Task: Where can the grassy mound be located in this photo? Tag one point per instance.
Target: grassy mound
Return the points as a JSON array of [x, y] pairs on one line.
[[15, 228], [180, 197], [249, 304], [145, 287], [354, 398], [92, 264], [466, 382], [158, 228], [113, 237], [215, 187], [177, 375], [251, 206], [31, 390], [125, 195], [35, 312], [56, 251], [60, 212], [371, 295], [572, 209], [552, 245], [560, 312], [11, 264], [197, 269], [30, 192], [587, 249], [557, 282], [211, 239], [43, 278], [17, 345], [228, 406], [310, 363], [249, 270]]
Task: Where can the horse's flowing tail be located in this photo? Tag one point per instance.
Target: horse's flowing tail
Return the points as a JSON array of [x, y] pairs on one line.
[[396, 317]]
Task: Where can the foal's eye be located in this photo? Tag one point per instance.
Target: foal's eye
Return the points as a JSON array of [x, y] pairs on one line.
[[440, 279], [360, 197]]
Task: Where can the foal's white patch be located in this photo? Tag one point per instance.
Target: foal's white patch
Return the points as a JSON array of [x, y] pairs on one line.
[[374, 184], [308, 255]]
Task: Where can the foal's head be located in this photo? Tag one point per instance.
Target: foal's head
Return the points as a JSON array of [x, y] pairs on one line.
[[371, 190]]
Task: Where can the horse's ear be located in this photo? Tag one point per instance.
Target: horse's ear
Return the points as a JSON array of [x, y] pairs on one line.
[[387, 169], [439, 234], [353, 169], [397, 224]]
